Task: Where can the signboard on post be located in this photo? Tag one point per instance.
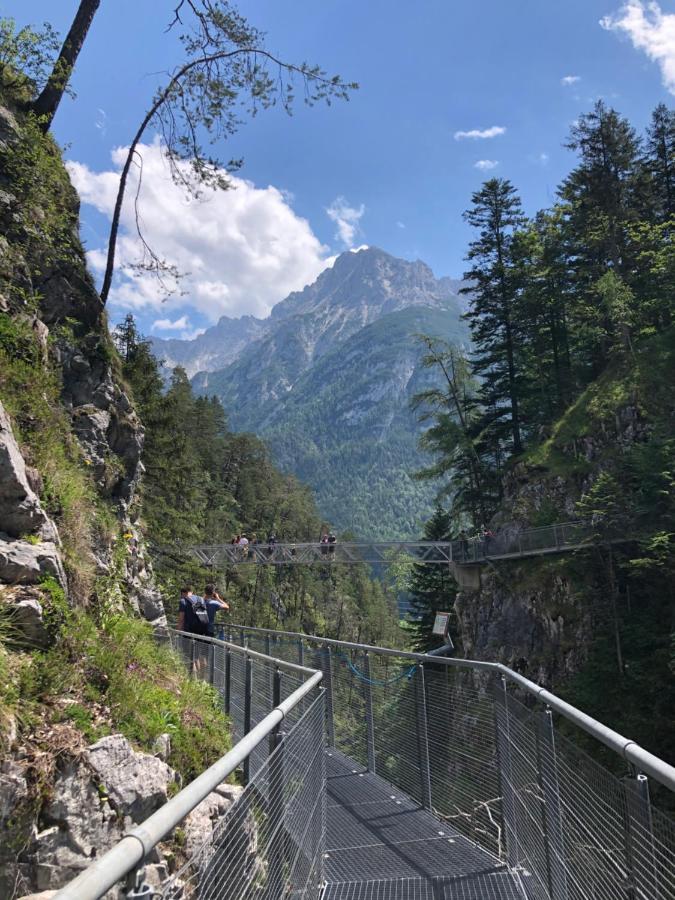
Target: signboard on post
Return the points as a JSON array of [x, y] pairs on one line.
[[441, 624]]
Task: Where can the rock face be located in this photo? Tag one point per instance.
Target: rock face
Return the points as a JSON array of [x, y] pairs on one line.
[[93, 802], [136, 784], [22, 562], [21, 512]]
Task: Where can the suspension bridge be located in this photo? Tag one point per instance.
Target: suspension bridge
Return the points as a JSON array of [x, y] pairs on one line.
[[508, 544], [376, 774]]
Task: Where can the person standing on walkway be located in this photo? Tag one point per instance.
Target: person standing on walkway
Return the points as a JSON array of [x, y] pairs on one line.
[[214, 603]]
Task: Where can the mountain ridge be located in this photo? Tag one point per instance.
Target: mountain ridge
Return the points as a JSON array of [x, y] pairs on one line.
[[327, 381]]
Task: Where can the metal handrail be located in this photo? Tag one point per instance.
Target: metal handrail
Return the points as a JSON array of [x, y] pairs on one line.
[[114, 865], [628, 749]]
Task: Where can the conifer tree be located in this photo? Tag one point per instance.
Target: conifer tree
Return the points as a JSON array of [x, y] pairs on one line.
[[496, 214], [660, 161], [432, 588]]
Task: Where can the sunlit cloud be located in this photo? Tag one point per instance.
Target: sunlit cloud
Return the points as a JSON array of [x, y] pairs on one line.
[[650, 30], [240, 251], [347, 219], [477, 134]]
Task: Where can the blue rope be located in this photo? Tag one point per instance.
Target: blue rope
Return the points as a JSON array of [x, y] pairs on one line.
[[377, 682]]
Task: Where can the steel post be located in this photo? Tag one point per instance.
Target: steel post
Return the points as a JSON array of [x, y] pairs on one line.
[[301, 653], [275, 885], [212, 663], [248, 697], [422, 727], [370, 723], [193, 665], [505, 770], [228, 679], [554, 829], [640, 856], [326, 658]]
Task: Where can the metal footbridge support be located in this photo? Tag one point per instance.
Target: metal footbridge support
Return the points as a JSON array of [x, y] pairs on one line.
[[375, 774]]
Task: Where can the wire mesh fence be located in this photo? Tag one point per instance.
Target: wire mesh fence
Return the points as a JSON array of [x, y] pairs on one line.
[[268, 842], [491, 763]]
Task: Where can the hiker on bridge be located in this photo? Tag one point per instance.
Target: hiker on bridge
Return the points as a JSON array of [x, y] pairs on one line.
[[214, 603]]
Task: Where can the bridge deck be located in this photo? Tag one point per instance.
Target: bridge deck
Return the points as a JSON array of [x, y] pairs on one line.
[[382, 846]]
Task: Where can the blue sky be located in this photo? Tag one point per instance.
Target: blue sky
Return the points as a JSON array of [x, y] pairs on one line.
[[387, 163]]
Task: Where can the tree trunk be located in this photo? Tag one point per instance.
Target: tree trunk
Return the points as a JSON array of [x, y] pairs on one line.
[[48, 102]]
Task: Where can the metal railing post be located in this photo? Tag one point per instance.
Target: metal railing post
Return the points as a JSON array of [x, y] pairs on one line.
[[193, 664], [370, 723], [242, 638], [228, 679], [505, 770], [248, 697], [275, 885], [301, 653], [554, 830], [212, 663], [327, 669], [422, 726], [640, 857]]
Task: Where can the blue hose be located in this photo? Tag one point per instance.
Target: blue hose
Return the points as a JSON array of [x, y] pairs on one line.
[[377, 681]]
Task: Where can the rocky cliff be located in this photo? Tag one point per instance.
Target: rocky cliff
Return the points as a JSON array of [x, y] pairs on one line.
[[72, 558]]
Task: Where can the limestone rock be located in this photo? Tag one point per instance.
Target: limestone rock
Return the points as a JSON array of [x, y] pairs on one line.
[[28, 617], [200, 823], [136, 783], [21, 512], [24, 563], [151, 605]]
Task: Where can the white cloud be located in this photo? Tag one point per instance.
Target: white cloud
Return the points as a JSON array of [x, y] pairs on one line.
[[544, 158], [400, 224], [241, 250], [569, 80], [477, 134], [171, 325], [485, 165], [346, 218], [650, 30]]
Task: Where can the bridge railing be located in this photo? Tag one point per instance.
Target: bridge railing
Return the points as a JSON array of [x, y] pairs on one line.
[[499, 759], [270, 842], [524, 542]]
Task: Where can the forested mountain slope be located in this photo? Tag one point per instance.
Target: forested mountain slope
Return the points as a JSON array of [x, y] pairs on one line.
[[329, 387]]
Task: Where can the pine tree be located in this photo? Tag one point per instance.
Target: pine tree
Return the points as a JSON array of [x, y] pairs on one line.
[[496, 213], [660, 161], [432, 588]]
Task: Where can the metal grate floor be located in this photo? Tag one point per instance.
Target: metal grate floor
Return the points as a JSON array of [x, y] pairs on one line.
[[382, 846]]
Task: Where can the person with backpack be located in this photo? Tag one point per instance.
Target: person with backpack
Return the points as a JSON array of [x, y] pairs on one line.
[[193, 614]]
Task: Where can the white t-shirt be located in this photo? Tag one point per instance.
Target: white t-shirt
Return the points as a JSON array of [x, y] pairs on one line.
[[243, 541]]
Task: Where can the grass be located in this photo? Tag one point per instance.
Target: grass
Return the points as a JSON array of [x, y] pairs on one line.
[[117, 678]]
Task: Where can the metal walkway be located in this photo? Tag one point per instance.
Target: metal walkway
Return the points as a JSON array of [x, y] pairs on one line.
[[380, 845], [507, 544], [376, 774]]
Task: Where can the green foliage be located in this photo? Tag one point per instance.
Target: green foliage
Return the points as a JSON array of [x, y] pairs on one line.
[[143, 686], [26, 57]]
